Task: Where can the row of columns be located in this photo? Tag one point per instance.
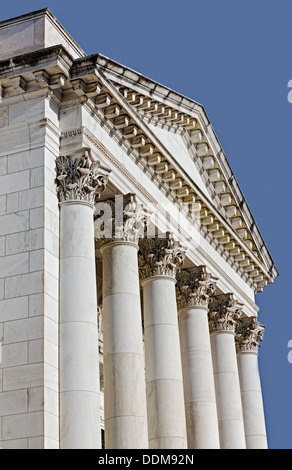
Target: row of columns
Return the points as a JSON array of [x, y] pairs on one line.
[[197, 393], [194, 397]]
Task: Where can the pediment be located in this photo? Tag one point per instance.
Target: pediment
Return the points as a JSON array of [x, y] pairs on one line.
[[186, 141]]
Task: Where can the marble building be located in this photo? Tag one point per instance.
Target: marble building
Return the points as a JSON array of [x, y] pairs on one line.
[[129, 259]]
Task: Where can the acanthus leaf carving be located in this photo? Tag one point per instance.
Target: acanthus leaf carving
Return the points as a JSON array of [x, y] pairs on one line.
[[160, 256], [122, 219], [249, 332], [224, 313], [79, 178], [195, 287]]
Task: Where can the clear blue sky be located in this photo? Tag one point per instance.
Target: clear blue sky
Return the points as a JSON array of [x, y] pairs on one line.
[[234, 57]]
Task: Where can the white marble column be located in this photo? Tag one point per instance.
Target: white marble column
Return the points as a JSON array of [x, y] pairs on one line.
[[194, 288], [124, 363], [223, 315], [248, 334], [79, 183], [158, 261]]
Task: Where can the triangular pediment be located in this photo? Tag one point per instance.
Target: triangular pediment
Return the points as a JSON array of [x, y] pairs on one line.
[[175, 139], [187, 143]]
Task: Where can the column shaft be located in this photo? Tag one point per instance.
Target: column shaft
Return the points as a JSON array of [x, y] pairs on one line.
[[248, 334], [165, 400], [79, 377], [252, 403], [230, 418], [199, 388], [124, 365]]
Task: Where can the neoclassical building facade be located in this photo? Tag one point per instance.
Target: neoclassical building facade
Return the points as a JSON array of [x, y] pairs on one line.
[[129, 259]]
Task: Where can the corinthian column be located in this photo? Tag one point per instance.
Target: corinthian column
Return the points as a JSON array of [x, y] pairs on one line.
[[124, 365], [194, 289], [248, 334], [79, 184], [224, 312], [158, 261]]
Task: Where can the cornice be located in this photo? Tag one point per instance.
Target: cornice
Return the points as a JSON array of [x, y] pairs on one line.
[[52, 59]]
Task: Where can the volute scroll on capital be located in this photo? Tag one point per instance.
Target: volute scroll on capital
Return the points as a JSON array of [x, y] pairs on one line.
[[79, 178], [249, 332], [195, 287], [224, 313], [160, 256]]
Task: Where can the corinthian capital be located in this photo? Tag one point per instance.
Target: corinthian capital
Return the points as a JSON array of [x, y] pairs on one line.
[[160, 256], [121, 219], [248, 334], [79, 178], [195, 287], [224, 312]]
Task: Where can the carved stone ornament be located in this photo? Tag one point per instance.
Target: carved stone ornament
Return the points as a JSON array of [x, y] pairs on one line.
[[79, 179], [194, 288], [160, 257], [121, 218], [224, 313], [248, 334]]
